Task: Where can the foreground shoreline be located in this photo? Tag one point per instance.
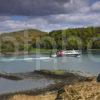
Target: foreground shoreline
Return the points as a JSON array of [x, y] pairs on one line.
[[77, 91], [66, 78]]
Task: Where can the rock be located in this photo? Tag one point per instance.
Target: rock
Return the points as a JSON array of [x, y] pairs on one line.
[[59, 95], [89, 79], [98, 78]]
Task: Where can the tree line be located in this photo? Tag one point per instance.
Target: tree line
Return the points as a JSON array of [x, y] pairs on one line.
[[72, 38]]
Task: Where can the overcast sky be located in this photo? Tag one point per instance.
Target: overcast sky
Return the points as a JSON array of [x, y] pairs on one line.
[[48, 15]]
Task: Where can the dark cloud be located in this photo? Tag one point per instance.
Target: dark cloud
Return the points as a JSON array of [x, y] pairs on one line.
[[32, 7], [48, 14]]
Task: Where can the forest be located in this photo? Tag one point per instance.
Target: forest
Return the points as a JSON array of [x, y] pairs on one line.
[[30, 39]]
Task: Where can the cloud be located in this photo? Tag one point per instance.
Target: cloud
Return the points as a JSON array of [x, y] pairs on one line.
[[76, 5], [48, 15], [41, 7], [96, 6], [26, 23], [74, 18], [52, 22], [3, 18], [31, 7]]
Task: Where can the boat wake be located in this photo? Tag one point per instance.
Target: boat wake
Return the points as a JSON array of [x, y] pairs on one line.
[[24, 59]]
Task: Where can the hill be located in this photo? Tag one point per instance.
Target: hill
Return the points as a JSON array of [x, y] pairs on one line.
[[77, 38], [72, 38], [20, 40]]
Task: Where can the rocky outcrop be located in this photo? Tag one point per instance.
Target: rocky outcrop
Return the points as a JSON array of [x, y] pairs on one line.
[[57, 74], [72, 86], [87, 90], [10, 76], [98, 78]]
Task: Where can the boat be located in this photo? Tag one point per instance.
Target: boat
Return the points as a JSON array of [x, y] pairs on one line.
[[60, 53], [68, 53], [72, 53]]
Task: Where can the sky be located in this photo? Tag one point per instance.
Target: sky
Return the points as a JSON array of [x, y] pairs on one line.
[[48, 15]]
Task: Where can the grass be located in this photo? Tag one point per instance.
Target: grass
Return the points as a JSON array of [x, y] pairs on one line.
[[82, 91], [57, 72], [53, 72], [39, 97], [77, 91]]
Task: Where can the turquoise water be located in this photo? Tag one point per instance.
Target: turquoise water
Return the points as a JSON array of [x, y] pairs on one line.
[[85, 63]]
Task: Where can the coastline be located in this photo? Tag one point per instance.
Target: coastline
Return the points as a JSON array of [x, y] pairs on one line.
[[39, 51], [78, 91], [52, 90], [59, 92], [34, 51]]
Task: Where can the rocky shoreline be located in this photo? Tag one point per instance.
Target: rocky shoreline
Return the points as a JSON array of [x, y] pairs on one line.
[[57, 74], [60, 91], [66, 78]]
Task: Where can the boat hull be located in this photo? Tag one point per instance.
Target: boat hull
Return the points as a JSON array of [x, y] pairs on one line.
[[72, 55]]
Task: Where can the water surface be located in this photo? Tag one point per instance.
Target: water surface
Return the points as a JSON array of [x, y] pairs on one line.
[[85, 63]]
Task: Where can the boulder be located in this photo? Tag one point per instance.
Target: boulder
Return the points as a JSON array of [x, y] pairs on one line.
[[98, 78]]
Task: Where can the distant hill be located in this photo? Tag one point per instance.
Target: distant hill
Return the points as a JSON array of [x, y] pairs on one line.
[[21, 38], [72, 38], [32, 33], [24, 35]]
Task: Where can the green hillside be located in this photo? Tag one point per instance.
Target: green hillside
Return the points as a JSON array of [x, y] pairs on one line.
[[76, 38], [22, 40], [28, 40]]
